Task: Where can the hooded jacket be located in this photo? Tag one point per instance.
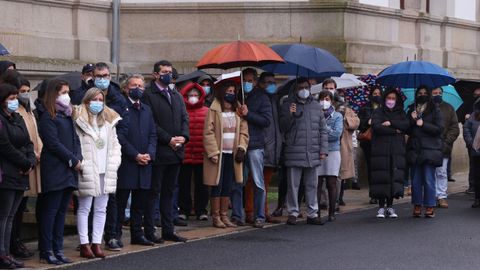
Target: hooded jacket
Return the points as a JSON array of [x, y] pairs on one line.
[[4, 65], [196, 113], [425, 144], [388, 161]]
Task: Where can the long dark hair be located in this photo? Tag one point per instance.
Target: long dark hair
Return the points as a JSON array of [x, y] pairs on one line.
[[220, 90], [54, 86]]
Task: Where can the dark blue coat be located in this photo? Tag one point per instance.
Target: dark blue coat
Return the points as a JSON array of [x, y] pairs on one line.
[[258, 118], [60, 154], [140, 138]]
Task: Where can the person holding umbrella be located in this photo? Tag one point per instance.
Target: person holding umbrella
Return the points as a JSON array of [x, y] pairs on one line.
[[306, 144], [389, 124], [450, 134], [424, 150]]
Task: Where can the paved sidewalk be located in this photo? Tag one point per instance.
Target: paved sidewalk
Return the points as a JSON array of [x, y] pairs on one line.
[[196, 230]]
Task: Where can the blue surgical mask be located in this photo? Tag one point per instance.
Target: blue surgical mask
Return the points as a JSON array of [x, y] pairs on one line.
[[95, 107], [135, 93], [166, 79], [271, 88], [247, 87], [303, 93], [102, 83], [206, 89], [12, 105]]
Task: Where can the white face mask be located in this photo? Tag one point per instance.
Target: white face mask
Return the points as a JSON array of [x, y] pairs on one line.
[[325, 104], [193, 100], [303, 93], [64, 99]]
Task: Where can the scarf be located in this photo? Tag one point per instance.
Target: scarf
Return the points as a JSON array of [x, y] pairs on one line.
[[328, 112], [67, 110]]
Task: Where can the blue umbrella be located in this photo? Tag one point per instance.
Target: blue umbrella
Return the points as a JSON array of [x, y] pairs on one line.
[[3, 50], [412, 74], [450, 95], [304, 60]]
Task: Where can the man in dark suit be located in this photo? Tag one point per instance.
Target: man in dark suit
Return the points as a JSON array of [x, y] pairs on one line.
[[171, 120]]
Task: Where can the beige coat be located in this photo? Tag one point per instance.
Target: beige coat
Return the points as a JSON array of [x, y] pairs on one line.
[[212, 141], [350, 124], [31, 123]]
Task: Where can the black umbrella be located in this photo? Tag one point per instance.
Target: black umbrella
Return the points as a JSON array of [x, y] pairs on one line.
[[74, 79], [193, 76]]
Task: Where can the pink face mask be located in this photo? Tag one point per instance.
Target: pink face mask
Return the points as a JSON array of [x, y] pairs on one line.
[[390, 103]]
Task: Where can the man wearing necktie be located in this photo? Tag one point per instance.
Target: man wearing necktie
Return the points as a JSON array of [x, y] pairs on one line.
[[171, 120]]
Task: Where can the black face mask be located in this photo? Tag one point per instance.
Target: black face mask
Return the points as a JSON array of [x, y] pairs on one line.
[[377, 99], [422, 99]]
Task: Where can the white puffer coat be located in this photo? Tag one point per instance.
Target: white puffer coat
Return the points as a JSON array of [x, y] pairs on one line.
[[89, 178]]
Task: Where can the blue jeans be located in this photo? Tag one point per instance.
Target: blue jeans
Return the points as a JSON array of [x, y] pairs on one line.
[[255, 166], [423, 185]]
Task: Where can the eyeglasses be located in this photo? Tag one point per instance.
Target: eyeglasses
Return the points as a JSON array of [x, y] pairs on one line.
[[99, 76]]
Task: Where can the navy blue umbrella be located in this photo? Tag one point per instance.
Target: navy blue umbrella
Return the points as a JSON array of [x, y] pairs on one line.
[[412, 74], [3, 50], [306, 61]]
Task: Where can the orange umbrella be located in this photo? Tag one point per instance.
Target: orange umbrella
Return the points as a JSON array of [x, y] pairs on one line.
[[239, 54]]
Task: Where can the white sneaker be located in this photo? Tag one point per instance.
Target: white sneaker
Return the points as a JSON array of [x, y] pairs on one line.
[[391, 213], [381, 213], [182, 217]]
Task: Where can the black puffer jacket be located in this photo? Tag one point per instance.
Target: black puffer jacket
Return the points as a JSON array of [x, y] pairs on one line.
[[425, 144], [16, 152], [388, 159], [305, 133]]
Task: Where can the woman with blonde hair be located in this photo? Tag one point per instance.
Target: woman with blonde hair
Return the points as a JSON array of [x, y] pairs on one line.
[[95, 125]]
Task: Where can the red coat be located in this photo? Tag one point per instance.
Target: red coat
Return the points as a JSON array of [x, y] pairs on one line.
[[196, 113]]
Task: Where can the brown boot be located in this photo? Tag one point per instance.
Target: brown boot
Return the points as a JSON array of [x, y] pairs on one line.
[[97, 251], [215, 210], [429, 212], [442, 203], [224, 203], [86, 251], [417, 211]]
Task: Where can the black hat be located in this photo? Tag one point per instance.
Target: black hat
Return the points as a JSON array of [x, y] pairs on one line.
[[88, 68]]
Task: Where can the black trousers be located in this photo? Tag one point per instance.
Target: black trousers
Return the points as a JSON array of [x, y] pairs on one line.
[[138, 209], [18, 221], [111, 221], [54, 206], [200, 198], [164, 180], [10, 201], [476, 175]]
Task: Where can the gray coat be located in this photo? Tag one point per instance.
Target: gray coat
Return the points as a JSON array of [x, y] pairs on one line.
[[273, 137], [305, 133]]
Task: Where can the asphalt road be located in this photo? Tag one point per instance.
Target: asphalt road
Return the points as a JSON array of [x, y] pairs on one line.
[[355, 241]]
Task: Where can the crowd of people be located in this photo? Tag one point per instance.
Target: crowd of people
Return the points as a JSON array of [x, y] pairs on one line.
[[141, 147]]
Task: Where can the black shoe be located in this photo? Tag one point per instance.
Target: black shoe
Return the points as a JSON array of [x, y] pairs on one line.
[[120, 243], [113, 245], [341, 203], [18, 250], [155, 239], [179, 222], [142, 241], [18, 264], [6, 263], [315, 221], [237, 221], [470, 190], [476, 203], [61, 257], [451, 180], [48, 257], [355, 186], [174, 237], [292, 220], [278, 212], [373, 201]]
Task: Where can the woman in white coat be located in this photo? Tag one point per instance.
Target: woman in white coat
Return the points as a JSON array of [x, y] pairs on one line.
[[95, 126]]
